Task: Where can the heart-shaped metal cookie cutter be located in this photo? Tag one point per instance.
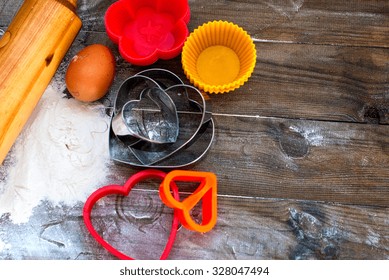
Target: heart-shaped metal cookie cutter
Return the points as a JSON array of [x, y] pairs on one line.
[[194, 138], [153, 118]]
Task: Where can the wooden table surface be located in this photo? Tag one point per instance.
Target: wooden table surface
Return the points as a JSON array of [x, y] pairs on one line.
[[301, 151]]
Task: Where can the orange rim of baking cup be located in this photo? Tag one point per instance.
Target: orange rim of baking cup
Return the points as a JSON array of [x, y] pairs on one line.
[[218, 57]]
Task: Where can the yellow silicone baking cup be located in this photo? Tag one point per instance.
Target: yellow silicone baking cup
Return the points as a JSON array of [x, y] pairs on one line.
[[218, 57]]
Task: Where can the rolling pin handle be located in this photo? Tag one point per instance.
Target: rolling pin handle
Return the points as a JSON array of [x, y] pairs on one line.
[[5, 39], [31, 50]]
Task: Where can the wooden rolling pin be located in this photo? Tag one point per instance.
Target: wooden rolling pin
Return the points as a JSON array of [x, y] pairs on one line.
[[31, 50]]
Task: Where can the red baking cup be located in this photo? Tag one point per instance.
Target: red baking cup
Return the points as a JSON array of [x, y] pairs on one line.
[[125, 190], [148, 30]]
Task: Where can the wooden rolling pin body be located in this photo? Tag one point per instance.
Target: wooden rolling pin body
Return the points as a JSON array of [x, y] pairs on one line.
[[31, 50]]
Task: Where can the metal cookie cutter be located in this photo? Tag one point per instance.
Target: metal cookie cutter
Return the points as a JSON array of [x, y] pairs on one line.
[[191, 119], [196, 126], [152, 118], [130, 89]]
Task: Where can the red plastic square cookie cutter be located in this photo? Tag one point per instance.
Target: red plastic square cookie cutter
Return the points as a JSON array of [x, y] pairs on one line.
[[125, 190], [206, 191]]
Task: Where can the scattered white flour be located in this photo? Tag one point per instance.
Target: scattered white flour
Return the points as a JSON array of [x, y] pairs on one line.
[[4, 246], [61, 156]]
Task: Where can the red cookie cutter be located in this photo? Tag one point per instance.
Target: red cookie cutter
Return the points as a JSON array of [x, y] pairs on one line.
[[206, 191], [125, 190]]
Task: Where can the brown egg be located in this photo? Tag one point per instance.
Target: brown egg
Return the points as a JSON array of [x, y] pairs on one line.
[[90, 73]]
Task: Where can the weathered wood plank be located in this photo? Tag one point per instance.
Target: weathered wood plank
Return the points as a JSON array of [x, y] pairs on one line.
[[8, 9], [343, 83], [247, 228], [332, 162], [273, 166], [310, 21], [297, 159], [272, 157], [314, 82], [356, 22], [336, 83]]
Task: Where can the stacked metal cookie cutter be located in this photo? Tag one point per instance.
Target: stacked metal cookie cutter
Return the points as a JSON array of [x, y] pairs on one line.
[[160, 122]]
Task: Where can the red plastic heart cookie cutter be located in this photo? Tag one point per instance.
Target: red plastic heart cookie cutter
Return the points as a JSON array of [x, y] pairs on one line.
[[206, 191], [125, 190]]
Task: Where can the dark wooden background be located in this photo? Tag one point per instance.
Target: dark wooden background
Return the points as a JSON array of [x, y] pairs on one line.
[[301, 151]]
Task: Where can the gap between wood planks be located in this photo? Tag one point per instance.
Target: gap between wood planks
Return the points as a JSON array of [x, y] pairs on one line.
[[274, 199], [258, 40], [295, 119]]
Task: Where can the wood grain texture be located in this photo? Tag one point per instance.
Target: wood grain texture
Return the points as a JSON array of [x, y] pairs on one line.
[[265, 229], [356, 22], [334, 83], [297, 159], [332, 162], [314, 82], [301, 150]]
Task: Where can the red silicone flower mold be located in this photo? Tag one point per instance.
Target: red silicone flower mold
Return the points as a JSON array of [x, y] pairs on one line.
[[148, 30]]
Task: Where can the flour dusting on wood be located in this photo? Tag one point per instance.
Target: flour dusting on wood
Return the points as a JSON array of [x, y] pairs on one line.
[[61, 156]]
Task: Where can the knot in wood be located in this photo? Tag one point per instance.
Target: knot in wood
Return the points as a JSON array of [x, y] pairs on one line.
[[293, 143]]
